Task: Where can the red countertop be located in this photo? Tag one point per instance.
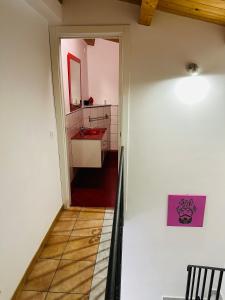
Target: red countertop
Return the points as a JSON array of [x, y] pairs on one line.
[[90, 134]]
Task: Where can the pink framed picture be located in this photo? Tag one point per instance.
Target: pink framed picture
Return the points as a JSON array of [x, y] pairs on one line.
[[186, 210]]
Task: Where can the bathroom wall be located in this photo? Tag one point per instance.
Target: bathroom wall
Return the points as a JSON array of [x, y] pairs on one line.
[[103, 71], [112, 123], [29, 163], [78, 48], [95, 112], [174, 147]]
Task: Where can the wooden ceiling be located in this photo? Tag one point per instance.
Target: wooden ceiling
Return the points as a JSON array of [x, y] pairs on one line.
[[207, 10]]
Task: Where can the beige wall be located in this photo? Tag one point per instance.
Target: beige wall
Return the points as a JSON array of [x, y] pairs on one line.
[[29, 168], [173, 147]]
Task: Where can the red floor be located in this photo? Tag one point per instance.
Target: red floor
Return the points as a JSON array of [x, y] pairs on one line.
[[96, 187]]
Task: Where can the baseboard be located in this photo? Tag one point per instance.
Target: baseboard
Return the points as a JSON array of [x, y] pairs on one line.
[[35, 258]]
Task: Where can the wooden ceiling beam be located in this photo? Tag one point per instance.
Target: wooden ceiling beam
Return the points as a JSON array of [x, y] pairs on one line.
[[148, 8], [194, 9], [115, 40], [90, 42], [196, 6], [213, 3], [138, 2], [206, 10]]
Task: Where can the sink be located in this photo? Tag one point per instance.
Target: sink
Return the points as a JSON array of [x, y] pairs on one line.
[[90, 134], [91, 131]]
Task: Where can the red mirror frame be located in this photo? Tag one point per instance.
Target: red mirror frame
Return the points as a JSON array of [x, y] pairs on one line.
[[70, 57]]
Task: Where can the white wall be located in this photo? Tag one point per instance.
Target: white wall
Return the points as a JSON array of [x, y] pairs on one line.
[[103, 71], [174, 147], [51, 10], [78, 48], [29, 168]]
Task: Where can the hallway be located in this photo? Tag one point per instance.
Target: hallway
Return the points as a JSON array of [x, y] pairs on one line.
[[73, 262]]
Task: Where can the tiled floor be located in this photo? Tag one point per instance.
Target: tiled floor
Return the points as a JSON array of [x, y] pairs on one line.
[[73, 263]]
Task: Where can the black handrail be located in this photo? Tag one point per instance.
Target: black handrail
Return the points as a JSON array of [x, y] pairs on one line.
[[200, 285], [113, 284]]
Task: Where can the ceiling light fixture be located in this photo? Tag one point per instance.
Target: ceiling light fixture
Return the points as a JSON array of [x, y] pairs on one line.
[[192, 69]]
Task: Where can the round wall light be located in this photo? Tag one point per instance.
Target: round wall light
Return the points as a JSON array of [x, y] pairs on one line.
[[192, 69]]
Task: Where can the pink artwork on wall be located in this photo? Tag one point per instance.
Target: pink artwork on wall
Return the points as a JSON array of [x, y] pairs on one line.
[[186, 210]]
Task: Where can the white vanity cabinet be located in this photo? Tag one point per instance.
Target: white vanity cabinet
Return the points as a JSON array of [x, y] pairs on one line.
[[89, 153]]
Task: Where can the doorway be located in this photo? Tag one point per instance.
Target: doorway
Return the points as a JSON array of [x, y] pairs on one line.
[[90, 80], [89, 108]]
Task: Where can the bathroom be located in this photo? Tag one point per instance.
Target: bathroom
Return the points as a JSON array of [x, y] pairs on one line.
[[90, 80]]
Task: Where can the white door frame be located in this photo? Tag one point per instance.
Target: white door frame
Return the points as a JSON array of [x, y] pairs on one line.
[[58, 32]]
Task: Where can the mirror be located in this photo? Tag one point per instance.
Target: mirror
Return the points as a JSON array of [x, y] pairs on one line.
[[74, 81]]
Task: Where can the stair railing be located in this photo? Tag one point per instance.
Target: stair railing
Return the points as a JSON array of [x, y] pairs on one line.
[[203, 281], [113, 284]]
